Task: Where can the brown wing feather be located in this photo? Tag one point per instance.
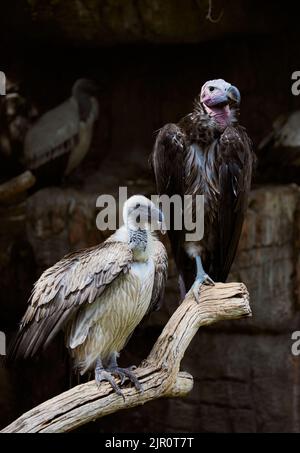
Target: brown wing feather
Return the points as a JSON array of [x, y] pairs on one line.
[[167, 161], [167, 158], [160, 277], [79, 278], [234, 182]]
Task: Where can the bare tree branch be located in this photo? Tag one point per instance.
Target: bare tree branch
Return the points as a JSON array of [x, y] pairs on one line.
[[14, 186], [159, 373]]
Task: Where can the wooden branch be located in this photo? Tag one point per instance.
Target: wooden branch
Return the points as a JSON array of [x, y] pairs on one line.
[[159, 373], [14, 186]]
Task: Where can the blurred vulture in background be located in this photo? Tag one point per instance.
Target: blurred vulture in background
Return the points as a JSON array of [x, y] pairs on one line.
[[279, 152], [100, 295], [60, 139], [207, 153], [17, 115]]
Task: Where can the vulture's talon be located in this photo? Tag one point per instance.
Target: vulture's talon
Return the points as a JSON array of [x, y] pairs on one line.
[[119, 373], [127, 373], [132, 367], [196, 290], [203, 279], [103, 375], [208, 281]]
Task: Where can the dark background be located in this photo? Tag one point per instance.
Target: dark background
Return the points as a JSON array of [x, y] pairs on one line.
[[150, 59]]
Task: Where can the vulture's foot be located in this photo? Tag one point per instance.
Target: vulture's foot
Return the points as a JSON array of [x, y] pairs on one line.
[[126, 373], [203, 279], [104, 375], [108, 373]]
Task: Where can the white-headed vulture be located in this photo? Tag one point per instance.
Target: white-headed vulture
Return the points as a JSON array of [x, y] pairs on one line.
[[98, 296]]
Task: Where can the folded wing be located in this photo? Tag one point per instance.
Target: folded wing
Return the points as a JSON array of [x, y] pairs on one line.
[[78, 279]]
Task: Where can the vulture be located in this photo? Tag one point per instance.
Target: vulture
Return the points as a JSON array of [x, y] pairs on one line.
[[98, 296], [17, 115], [207, 153], [56, 144], [279, 151]]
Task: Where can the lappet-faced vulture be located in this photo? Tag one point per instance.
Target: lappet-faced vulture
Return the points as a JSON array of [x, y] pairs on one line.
[[207, 153], [100, 295], [60, 139]]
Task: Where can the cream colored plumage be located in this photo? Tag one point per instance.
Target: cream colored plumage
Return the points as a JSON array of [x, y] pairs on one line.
[[99, 295], [105, 325]]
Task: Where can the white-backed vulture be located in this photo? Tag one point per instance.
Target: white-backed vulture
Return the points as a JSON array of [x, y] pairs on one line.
[[99, 295], [63, 135], [207, 153]]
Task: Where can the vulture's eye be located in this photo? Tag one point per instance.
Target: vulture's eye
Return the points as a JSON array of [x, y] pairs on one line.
[[211, 88]]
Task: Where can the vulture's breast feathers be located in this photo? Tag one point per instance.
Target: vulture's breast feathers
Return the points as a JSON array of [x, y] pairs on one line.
[[104, 326]]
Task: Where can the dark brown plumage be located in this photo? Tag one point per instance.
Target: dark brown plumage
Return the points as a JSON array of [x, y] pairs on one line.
[[207, 153]]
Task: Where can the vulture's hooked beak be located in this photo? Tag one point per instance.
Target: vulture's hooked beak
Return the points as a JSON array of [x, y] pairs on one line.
[[233, 95], [156, 218]]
